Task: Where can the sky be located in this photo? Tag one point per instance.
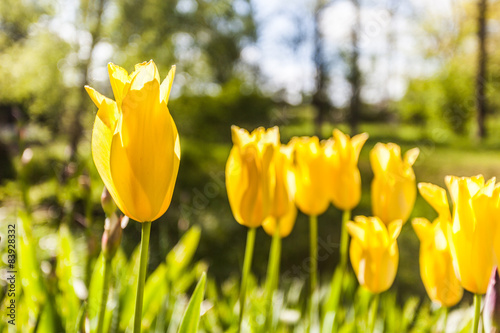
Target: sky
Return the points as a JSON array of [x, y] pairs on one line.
[[386, 70]]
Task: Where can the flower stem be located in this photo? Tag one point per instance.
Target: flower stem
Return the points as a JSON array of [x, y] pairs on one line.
[[344, 239], [104, 295], [146, 230], [338, 276], [373, 313], [477, 312], [445, 320], [273, 271], [247, 262], [313, 228]]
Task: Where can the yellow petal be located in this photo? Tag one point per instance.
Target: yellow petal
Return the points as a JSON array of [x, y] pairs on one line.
[[358, 142], [411, 156], [394, 229], [166, 86], [286, 223], [436, 197], [236, 179], [356, 231], [96, 97], [120, 81], [102, 135], [422, 228]]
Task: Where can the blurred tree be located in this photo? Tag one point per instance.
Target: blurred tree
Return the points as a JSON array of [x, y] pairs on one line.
[[320, 99], [481, 101], [354, 75]]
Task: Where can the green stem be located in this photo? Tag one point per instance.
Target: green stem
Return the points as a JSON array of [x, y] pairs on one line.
[[344, 239], [445, 321], [273, 271], [477, 312], [313, 254], [104, 296], [336, 284], [247, 262], [373, 313], [146, 230], [313, 228]]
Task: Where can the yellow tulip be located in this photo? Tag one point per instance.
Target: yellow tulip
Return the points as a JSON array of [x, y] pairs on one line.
[[135, 144], [436, 263], [250, 180], [342, 155], [283, 208], [475, 216], [374, 251], [393, 188], [311, 174]]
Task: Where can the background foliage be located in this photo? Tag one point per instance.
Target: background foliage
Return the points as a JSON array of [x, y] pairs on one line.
[[50, 49]]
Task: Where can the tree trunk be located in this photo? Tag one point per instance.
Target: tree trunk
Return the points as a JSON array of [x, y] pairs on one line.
[[320, 99], [481, 102], [355, 73]]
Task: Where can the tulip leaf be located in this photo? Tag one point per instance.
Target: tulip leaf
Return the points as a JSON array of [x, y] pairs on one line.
[[128, 291], [68, 302], [182, 253], [191, 318]]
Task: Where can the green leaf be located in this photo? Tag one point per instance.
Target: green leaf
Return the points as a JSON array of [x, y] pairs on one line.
[[95, 291], [182, 253], [191, 318]]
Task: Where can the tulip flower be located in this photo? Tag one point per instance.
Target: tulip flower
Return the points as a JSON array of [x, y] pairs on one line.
[[250, 184], [393, 188], [250, 180], [135, 144], [342, 155], [283, 210], [280, 222], [374, 251], [311, 172], [136, 150], [436, 263], [475, 216], [312, 197]]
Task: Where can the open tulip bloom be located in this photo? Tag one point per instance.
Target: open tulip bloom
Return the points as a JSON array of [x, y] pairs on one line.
[[394, 187], [475, 217], [436, 263], [136, 150]]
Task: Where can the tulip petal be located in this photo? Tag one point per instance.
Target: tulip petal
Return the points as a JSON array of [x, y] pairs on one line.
[[356, 231], [120, 81], [240, 136], [436, 197], [166, 86], [358, 142], [236, 179], [411, 156], [422, 228], [394, 229], [102, 135]]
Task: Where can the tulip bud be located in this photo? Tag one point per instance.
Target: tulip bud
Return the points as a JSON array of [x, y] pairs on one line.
[[27, 156], [491, 310], [112, 236], [107, 202]]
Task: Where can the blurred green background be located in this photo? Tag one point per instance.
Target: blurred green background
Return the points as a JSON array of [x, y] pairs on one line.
[[403, 71]]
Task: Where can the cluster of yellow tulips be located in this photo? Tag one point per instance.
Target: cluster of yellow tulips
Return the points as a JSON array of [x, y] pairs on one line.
[[267, 180]]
